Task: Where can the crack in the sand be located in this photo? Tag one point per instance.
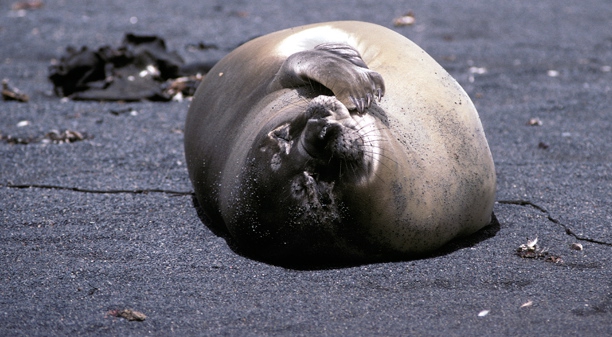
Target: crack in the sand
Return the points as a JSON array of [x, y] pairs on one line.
[[86, 190], [518, 202], [568, 231]]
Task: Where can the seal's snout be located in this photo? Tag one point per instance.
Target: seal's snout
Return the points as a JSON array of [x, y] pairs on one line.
[[330, 131], [347, 146], [330, 140]]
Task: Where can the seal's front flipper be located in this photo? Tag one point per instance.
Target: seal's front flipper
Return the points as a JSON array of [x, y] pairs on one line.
[[340, 68], [344, 51]]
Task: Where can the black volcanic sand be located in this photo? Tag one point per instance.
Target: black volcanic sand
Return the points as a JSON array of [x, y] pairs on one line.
[[73, 259]]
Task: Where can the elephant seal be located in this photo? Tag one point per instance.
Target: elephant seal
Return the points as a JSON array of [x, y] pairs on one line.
[[337, 141]]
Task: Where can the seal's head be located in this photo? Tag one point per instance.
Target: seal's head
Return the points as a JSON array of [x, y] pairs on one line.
[[331, 142], [295, 180]]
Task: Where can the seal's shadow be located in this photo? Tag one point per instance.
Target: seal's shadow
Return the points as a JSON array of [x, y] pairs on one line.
[[483, 234], [217, 229]]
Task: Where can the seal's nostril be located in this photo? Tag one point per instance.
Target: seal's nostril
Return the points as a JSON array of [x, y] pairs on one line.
[[313, 138]]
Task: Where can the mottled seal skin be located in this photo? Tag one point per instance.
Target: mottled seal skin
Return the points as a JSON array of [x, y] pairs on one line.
[[289, 146]]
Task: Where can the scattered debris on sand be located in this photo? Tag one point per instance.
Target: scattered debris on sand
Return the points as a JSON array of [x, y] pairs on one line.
[[12, 94], [129, 314]]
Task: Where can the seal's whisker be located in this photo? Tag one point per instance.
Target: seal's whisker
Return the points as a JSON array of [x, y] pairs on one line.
[[360, 130], [377, 157], [378, 176], [354, 167], [349, 167], [392, 159], [330, 159], [372, 140]]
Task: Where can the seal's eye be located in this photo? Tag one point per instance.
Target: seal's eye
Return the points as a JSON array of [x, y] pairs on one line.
[[282, 132]]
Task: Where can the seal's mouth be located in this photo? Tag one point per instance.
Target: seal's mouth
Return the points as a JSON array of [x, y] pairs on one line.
[[316, 201]]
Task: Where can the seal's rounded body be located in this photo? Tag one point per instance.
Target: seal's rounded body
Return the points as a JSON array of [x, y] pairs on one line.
[[288, 147]]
